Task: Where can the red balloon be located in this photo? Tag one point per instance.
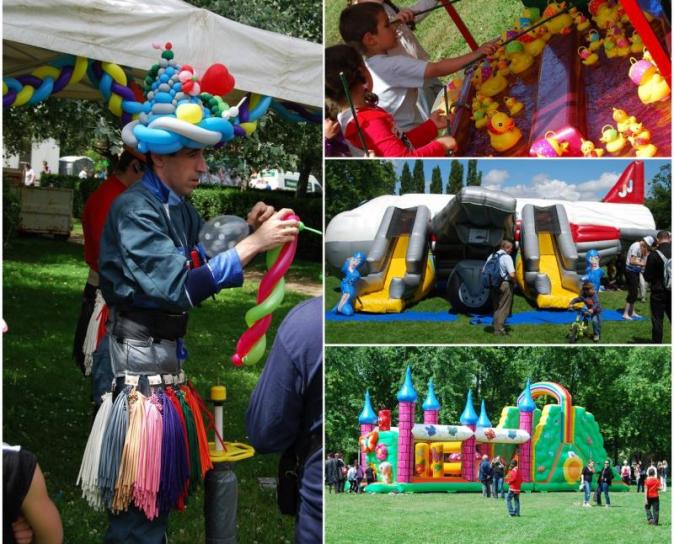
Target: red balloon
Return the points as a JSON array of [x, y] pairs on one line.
[[217, 80]]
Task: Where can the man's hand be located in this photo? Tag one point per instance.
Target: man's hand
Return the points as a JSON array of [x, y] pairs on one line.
[[259, 214], [23, 534], [276, 231], [439, 117], [330, 129]]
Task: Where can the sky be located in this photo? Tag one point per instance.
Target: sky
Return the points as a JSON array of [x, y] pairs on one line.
[[561, 179]]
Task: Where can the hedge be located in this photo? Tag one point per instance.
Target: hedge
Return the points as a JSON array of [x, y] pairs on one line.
[[82, 188]]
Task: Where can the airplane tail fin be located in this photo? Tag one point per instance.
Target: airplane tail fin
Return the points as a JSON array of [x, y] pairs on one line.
[[630, 187]]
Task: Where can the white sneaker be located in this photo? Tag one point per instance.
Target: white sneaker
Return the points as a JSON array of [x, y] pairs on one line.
[[607, 505]]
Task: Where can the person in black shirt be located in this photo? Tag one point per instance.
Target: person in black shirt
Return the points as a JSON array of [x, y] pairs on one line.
[[661, 295], [604, 482], [586, 483]]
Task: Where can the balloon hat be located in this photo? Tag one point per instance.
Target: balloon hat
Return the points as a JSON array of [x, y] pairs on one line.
[[182, 109]]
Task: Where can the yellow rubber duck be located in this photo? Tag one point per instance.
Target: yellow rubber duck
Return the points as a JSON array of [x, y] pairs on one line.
[[637, 44], [594, 40], [612, 139], [520, 62], [537, 44], [653, 88], [582, 22], [494, 85], [588, 57], [622, 46], [623, 121], [503, 133], [588, 149], [562, 23], [648, 150], [481, 119], [606, 16], [502, 67], [514, 106], [610, 49]]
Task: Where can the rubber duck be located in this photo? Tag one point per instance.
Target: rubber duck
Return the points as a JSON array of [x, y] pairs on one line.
[[640, 70], [647, 150], [622, 46], [493, 85], [594, 40], [514, 106], [623, 121], [503, 133], [606, 15], [481, 119], [502, 67], [562, 23], [638, 135], [610, 49], [560, 147], [653, 88], [582, 22], [520, 62], [589, 58], [612, 139], [535, 47], [588, 149], [637, 43]]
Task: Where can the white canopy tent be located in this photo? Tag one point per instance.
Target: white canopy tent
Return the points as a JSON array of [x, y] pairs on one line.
[[122, 32]]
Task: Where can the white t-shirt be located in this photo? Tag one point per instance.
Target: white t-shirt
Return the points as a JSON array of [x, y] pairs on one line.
[[633, 251], [396, 81], [505, 264], [29, 180]]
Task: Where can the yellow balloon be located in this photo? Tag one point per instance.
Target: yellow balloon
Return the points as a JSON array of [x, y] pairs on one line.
[[23, 96], [47, 71], [249, 127], [5, 89], [115, 104], [115, 71], [191, 113], [79, 70]]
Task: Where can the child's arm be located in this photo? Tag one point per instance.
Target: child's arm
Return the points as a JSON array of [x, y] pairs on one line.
[[445, 67], [381, 138]]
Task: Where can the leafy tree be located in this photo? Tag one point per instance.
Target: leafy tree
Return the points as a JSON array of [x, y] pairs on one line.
[[418, 178], [349, 183], [405, 180], [472, 177], [436, 181], [659, 200], [455, 180]]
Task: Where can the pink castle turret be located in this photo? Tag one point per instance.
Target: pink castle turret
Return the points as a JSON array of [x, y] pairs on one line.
[[468, 418], [407, 397], [526, 407], [483, 421], [431, 406], [368, 421]]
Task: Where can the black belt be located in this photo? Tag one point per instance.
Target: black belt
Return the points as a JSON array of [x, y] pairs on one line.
[[140, 324]]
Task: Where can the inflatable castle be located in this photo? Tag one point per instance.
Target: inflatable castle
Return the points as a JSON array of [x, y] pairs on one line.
[[551, 445]]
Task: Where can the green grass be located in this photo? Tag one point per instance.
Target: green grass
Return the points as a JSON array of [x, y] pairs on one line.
[[46, 399], [485, 19], [462, 332], [547, 518]]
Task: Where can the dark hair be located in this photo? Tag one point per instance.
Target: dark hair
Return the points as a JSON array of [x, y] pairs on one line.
[[356, 21], [125, 160], [342, 58], [513, 463], [663, 235]]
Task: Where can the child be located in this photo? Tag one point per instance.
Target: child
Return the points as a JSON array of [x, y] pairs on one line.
[[382, 137], [514, 481], [590, 298], [396, 78], [651, 498], [408, 44]]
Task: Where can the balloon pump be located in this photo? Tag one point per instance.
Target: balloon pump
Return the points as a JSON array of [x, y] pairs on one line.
[[221, 485]]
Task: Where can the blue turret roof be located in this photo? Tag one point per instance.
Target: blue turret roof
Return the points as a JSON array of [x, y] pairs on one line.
[[483, 421], [407, 392], [468, 417], [527, 403], [431, 402], [367, 415]]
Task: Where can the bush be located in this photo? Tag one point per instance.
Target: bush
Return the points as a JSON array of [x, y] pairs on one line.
[[11, 212], [82, 188], [213, 201]]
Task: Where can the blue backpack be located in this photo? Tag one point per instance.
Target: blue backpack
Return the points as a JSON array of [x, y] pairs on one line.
[[491, 273]]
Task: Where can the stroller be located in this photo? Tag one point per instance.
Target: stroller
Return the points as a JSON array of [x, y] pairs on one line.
[[582, 326]]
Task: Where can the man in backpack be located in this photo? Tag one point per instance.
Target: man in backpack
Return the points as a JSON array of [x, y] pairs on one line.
[[658, 273], [502, 291]]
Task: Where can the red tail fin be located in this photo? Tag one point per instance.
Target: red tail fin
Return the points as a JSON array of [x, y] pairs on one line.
[[629, 189]]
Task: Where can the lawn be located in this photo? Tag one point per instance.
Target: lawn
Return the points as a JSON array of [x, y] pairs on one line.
[[485, 19], [547, 518], [46, 399], [462, 332]]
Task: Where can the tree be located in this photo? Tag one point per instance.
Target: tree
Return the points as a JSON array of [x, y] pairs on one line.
[[472, 177], [455, 180], [418, 178], [406, 180], [436, 181], [659, 200], [349, 183]]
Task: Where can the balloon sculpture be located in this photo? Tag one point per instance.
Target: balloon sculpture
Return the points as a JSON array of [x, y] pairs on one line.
[[253, 342]]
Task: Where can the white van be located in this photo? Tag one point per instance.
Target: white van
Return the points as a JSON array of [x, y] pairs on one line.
[[277, 180]]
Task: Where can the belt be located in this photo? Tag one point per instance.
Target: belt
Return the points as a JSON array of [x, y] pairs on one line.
[[140, 324]]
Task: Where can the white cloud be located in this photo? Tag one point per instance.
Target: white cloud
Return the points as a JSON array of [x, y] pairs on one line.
[[494, 179], [544, 186], [594, 188]]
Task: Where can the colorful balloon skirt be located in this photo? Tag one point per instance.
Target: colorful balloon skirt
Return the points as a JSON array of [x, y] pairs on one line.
[[148, 446]]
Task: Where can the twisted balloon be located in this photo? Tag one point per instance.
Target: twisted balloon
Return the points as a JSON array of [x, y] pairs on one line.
[[253, 342]]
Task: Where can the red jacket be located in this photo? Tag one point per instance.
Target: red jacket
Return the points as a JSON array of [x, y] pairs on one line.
[[94, 216], [514, 480], [383, 137]]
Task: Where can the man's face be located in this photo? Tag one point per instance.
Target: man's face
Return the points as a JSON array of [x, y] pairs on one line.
[[181, 172]]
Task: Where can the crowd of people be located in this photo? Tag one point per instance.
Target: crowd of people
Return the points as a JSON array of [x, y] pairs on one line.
[[345, 478]]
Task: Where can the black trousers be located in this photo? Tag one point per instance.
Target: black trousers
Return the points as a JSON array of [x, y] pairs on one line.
[[653, 509], [661, 304]]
